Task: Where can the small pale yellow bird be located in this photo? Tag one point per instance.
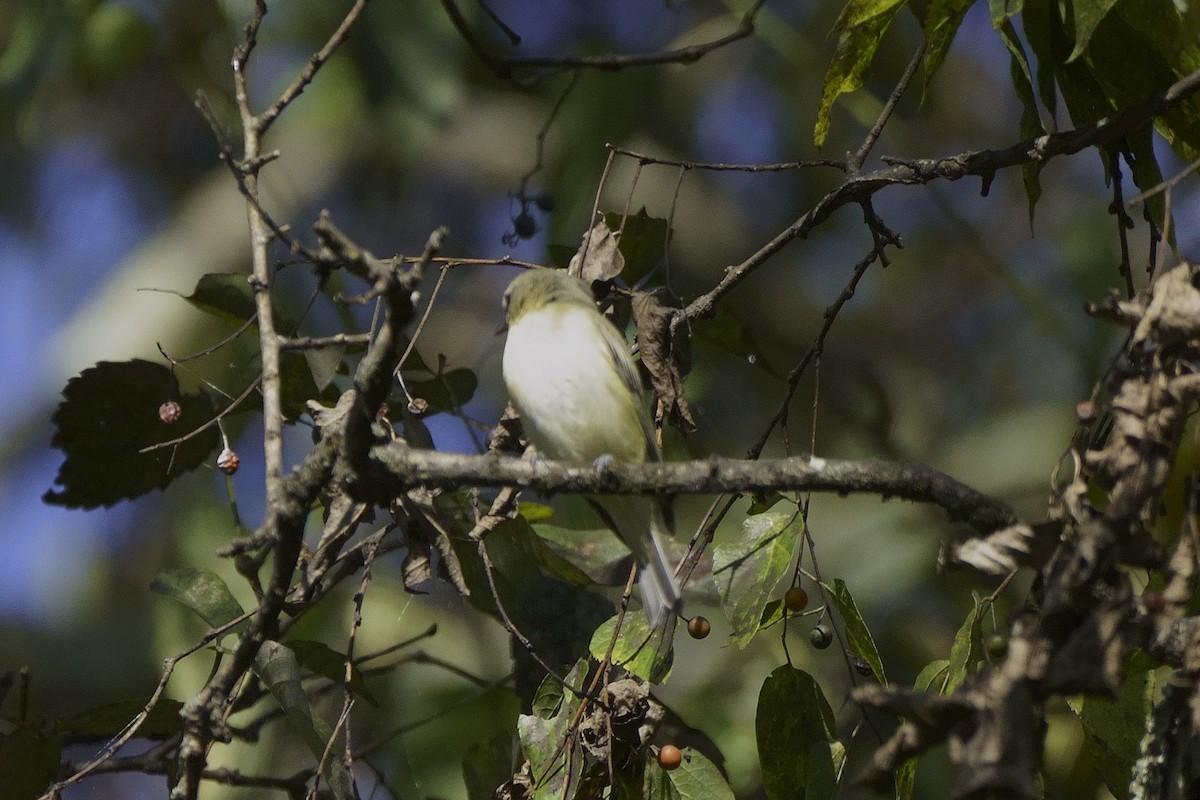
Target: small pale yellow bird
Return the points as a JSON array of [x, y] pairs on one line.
[[570, 375]]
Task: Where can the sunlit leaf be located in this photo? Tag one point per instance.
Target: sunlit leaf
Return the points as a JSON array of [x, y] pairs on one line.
[[697, 778], [965, 651], [857, 634], [641, 651], [794, 726], [111, 411], [748, 571], [859, 29], [203, 592]]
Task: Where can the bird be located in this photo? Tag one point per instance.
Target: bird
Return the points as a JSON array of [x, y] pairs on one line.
[[570, 375]]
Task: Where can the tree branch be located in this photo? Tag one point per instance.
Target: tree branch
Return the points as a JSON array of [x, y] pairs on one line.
[[402, 467]]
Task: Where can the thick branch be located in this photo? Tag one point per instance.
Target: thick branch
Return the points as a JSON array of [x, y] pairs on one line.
[[404, 467]]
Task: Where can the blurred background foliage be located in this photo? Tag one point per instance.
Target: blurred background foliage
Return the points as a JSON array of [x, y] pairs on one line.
[[969, 351]]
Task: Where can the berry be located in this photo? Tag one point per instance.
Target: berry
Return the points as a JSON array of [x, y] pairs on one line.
[[669, 757], [524, 225], [996, 645], [699, 627], [820, 637], [796, 599], [862, 667], [228, 461], [170, 412], [1154, 601]]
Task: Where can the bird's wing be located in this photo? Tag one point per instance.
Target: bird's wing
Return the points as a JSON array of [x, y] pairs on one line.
[[618, 351]]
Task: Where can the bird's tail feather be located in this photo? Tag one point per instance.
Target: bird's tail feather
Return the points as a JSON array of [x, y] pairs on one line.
[[640, 523]]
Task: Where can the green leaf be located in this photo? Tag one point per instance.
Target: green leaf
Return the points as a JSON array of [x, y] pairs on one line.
[[1002, 11], [109, 412], [449, 391], [965, 651], [486, 765], [107, 721], [224, 295], [279, 670], [934, 676], [548, 700], [860, 29], [642, 652], [697, 778], [324, 363], [1031, 121], [322, 659], [29, 761], [942, 20], [540, 738], [1115, 727], [1086, 15], [857, 633], [203, 592], [906, 778], [298, 386], [748, 572], [643, 242], [724, 332], [796, 737]]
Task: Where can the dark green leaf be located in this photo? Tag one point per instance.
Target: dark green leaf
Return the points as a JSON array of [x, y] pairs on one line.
[[486, 765], [1031, 121], [1002, 11], [297, 386], [448, 391], [942, 19], [697, 778], [643, 242], [279, 670], [203, 592], [1115, 727], [724, 332], [748, 571], [794, 726], [857, 634], [1087, 15], [29, 761], [109, 412], [224, 295], [320, 658], [105, 722], [642, 652]]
